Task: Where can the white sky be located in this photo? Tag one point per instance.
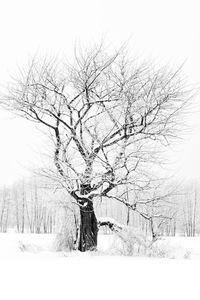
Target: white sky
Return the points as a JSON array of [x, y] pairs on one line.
[[168, 31]]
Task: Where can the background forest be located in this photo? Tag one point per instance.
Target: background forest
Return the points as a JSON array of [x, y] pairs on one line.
[[33, 205]]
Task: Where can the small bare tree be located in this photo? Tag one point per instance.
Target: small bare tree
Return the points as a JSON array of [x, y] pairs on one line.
[[108, 117], [189, 205]]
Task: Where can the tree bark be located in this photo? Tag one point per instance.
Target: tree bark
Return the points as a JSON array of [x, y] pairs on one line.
[[88, 228]]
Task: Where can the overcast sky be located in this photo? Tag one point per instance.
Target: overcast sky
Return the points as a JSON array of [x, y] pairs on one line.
[[167, 31]]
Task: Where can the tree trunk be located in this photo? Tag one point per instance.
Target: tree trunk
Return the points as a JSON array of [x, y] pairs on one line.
[[88, 228]]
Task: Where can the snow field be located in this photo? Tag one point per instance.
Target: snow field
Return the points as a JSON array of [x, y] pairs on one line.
[[37, 272]]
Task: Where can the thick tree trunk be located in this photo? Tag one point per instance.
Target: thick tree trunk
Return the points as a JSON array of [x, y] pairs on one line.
[[88, 228]]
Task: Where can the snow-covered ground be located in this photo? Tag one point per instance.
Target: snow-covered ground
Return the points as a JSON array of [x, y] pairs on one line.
[[31, 269]]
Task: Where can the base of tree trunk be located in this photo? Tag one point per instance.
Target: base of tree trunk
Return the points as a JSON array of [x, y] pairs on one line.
[[88, 229]]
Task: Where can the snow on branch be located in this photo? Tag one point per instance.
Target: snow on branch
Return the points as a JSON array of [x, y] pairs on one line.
[[111, 223]]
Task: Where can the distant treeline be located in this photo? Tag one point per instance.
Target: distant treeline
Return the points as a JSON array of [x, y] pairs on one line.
[[35, 206]]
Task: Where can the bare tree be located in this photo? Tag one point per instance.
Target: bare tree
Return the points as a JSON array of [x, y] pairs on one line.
[[189, 209], [5, 207], [108, 118]]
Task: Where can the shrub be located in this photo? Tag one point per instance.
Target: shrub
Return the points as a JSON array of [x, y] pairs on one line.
[[27, 247], [132, 243], [66, 239]]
